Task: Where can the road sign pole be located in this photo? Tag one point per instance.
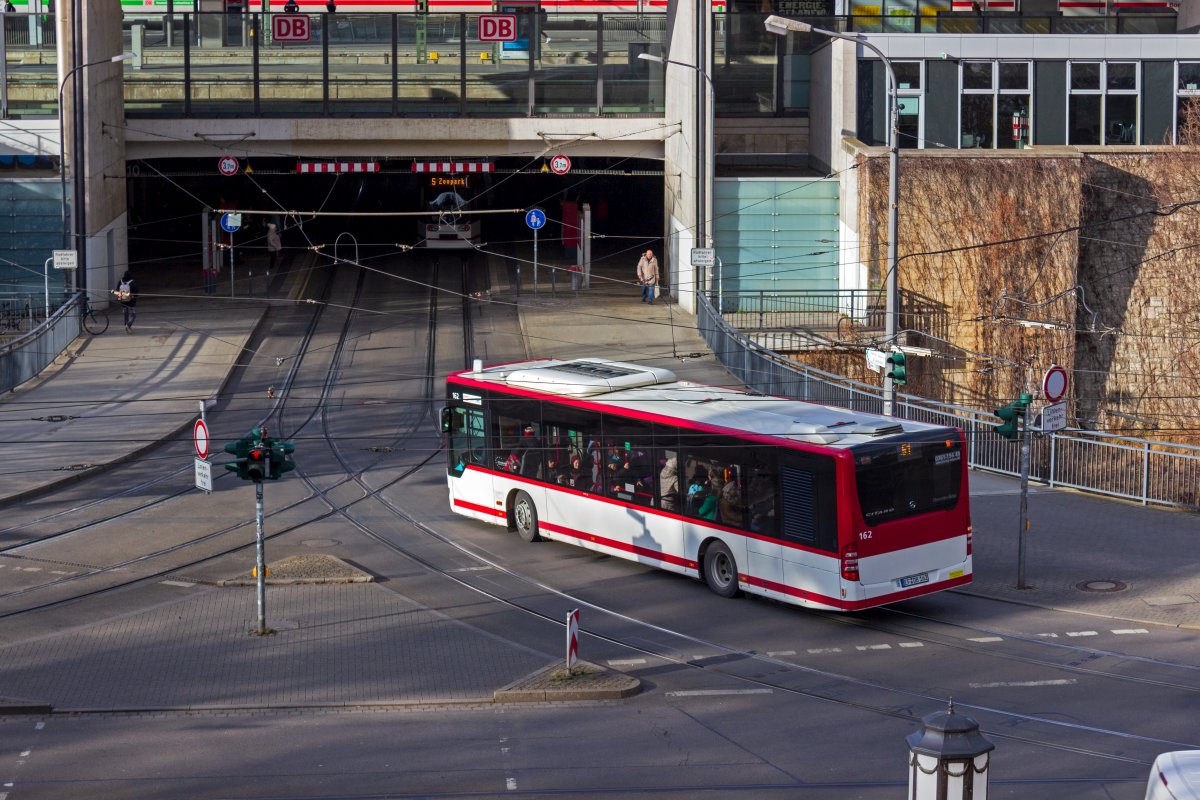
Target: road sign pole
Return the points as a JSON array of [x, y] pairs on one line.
[[535, 230], [1026, 435], [260, 559]]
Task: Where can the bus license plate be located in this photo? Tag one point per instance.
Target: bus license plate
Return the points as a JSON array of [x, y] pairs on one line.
[[913, 580]]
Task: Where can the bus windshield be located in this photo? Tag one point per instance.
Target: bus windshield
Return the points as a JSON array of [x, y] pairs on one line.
[[904, 478]]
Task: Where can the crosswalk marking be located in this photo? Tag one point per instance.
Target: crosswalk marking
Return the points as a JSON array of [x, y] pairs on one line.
[[987, 639]]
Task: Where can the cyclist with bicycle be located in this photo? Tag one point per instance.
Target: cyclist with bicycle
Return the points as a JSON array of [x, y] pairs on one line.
[[126, 293]]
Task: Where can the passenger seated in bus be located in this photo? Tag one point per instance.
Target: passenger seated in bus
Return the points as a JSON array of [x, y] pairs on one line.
[[697, 490], [668, 486], [730, 500], [577, 477], [553, 473]]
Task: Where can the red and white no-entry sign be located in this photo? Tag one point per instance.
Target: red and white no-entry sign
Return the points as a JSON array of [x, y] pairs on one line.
[[290, 28], [572, 637], [1054, 384], [200, 438], [497, 27]]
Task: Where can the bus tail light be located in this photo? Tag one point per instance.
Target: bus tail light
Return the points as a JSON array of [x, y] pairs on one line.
[[970, 536], [850, 562]]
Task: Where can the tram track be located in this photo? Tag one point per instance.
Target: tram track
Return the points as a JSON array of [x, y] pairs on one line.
[[724, 655]]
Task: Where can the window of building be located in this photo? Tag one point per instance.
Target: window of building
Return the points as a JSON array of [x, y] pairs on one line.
[[1103, 104], [909, 102], [1187, 96], [993, 92]]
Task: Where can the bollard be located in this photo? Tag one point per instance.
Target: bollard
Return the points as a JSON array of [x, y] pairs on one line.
[[948, 758]]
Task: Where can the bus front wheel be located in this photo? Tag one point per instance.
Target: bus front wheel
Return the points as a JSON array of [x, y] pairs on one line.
[[525, 517], [720, 570]]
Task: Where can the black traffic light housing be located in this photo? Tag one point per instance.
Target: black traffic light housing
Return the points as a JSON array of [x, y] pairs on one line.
[[897, 368], [258, 457]]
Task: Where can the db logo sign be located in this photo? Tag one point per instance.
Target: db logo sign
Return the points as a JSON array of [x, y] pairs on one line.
[[497, 27], [290, 28]]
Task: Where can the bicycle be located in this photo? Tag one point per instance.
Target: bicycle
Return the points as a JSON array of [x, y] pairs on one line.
[[94, 322]]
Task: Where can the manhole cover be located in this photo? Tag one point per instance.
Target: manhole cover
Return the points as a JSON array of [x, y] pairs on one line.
[[1101, 586], [320, 543]]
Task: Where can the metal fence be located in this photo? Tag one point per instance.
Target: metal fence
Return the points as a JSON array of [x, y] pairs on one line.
[[26, 356], [1151, 472]]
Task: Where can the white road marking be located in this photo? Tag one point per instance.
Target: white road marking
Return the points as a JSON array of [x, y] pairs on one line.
[[777, 653], [1006, 684], [1048, 635], [626, 662], [912, 644], [1081, 633], [1124, 631], [873, 647], [987, 639], [511, 784], [717, 692], [819, 650], [184, 584]]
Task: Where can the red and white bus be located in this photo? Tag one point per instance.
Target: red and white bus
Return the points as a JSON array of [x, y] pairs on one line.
[[808, 504]]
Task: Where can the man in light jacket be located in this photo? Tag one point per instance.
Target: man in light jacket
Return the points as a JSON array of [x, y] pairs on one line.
[[647, 274]]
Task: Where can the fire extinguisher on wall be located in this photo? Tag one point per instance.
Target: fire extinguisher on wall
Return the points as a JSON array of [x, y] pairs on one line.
[[1020, 125]]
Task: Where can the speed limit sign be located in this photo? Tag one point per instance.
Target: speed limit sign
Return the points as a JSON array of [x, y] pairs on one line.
[[228, 165], [560, 165]]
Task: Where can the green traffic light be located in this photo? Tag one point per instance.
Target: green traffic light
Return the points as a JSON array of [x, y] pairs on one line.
[[897, 368], [1011, 414]]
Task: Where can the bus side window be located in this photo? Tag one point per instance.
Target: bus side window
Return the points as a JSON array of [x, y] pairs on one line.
[[761, 491], [466, 438]]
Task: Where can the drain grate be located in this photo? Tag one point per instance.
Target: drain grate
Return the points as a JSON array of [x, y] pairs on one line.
[[1101, 586]]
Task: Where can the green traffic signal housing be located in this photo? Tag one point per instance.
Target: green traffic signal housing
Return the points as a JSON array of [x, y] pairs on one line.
[[897, 368], [1012, 415], [280, 458], [249, 456]]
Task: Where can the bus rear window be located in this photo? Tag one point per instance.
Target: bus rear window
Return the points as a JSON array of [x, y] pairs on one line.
[[902, 479]]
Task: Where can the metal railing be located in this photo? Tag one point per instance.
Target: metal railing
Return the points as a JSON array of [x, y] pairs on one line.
[[26, 356], [1150, 472]]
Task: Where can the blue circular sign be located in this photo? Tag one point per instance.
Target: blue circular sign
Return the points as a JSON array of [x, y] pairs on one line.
[[535, 218], [231, 222]]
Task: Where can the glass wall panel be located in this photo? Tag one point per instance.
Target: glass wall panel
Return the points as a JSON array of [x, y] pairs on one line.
[[360, 63], [632, 85], [222, 64], [744, 66], [158, 90], [497, 79], [1006, 106], [290, 78], [429, 80], [566, 72]]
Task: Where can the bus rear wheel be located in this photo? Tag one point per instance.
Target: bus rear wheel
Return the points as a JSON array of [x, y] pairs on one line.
[[525, 518], [720, 570]]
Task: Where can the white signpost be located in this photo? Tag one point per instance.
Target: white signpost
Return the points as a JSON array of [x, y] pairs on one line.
[[703, 256], [200, 442], [203, 475], [66, 259]]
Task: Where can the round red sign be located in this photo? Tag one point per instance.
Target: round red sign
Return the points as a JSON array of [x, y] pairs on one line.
[[1054, 384], [228, 165], [560, 165], [200, 438]]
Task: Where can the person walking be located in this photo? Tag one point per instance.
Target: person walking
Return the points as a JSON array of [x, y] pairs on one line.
[[647, 274], [126, 293], [274, 245]]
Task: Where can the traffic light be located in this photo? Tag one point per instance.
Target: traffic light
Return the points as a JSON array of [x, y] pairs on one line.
[[1012, 415], [280, 458], [249, 456], [897, 368], [256, 462]]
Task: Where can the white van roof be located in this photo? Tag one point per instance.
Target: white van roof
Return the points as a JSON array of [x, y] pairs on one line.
[[1175, 776]]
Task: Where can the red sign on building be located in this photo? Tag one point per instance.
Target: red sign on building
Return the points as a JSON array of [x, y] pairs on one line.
[[290, 28], [497, 27]]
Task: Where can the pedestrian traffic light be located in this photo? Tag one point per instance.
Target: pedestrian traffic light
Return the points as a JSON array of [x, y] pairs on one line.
[[280, 458], [897, 368]]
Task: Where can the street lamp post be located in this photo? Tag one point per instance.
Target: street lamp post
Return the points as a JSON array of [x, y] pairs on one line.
[[782, 26], [62, 139], [706, 184]]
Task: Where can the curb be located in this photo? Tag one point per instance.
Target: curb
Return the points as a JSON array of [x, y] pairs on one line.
[[15, 706], [586, 681]]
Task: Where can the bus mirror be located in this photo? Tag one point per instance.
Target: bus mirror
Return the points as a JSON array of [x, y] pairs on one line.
[[446, 416]]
